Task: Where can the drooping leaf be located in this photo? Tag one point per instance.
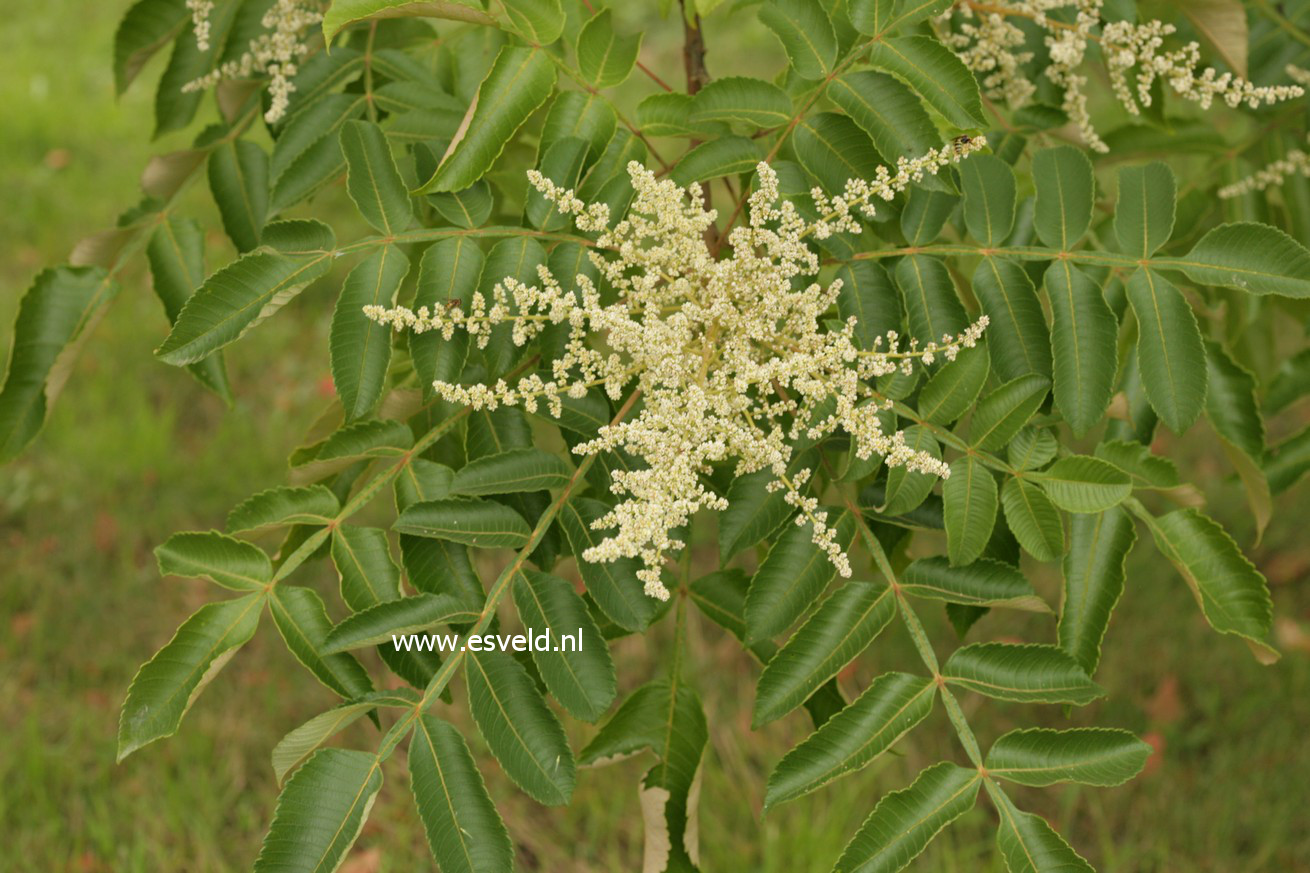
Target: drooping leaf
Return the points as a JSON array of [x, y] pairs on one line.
[[520, 729], [1091, 756], [935, 74], [1081, 483], [1002, 413], [321, 812], [1025, 673], [1017, 338], [1233, 594], [840, 628], [519, 82], [147, 27], [464, 829], [303, 622], [970, 500], [1083, 335], [238, 179], [1066, 191], [1030, 845], [1230, 404], [1144, 213], [989, 198], [791, 577], [1250, 257], [372, 180], [177, 265], [54, 313], [236, 298], [1033, 519], [361, 347], [232, 563], [580, 674], [806, 33], [167, 684], [905, 821], [888, 709], [985, 582], [484, 524], [1169, 349], [401, 617], [1094, 571], [604, 57]]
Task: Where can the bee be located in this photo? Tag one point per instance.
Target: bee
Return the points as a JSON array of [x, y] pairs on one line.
[[960, 143]]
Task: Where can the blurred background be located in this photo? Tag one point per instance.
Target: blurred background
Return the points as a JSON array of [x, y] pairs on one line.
[[135, 450]]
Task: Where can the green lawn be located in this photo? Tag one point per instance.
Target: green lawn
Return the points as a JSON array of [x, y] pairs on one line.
[[135, 451]]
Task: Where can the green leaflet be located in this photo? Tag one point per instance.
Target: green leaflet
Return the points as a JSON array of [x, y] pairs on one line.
[[227, 561], [1091, 756], [842, 627], [935, 74], [1025, 673], [1083, 336], [317, 122], [1017, 338], [727, 156], [1066, 190], [464, 829], [1029, 844], [321, 812], [1032, 448], [378, 624], [344, 12], [469, 208], [561, 163], [930, 298], [363, 560], [484, 524], [604, 57], [753, 513], [441, 567], [1169, 349], [1033, 519], [868, 296], [793, 574], [1002, 413], [175, 108], [303, 622], [537, 21], [520, 81], [301, 742], [1137, 461], [177, 265], [985, 582], [1247, 256], [1233, 595], [520, 729], [166, 685], [806, 33], [449, 272], [925, 214], [952, 390], [1094, 571], [514, 258], [582, 677], [238, 179], [888, 709], [314, 504], [583, 115], [372, 179], [877, 17], [1230, 404], [147, 27], [904, 822], [970, 501], [613, 585], [54, 313], [989, 198], [511, 471], [891, 115], [1288, 461], [361, 347], [250, 289], [364, 439], [740, 99], [833, 149], [1080, 483], [1144, 213]]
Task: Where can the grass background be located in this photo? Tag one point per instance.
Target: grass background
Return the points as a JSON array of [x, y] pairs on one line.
[[135, 451]]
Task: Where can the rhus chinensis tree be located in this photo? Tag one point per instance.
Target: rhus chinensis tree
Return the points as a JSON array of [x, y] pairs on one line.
[[901, 318]]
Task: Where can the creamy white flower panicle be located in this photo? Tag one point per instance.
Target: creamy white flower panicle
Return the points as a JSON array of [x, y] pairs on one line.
[[731, 355], [1295, 162], [277, 52], [986, 37]]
